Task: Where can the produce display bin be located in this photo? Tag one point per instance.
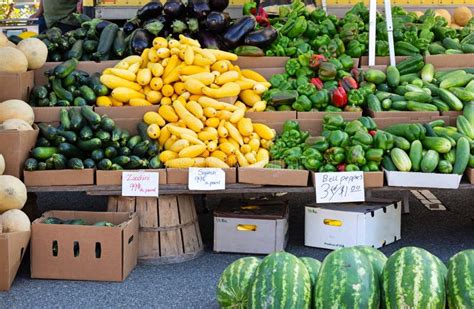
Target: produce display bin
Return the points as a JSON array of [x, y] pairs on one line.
[[16, 85], [422, 180], [114, 178], [273, 177], [179, 176], [12, 250], [59, 178], [371, 179]]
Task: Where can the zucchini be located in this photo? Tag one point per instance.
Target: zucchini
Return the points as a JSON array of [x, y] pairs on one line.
[[121, 160], [39, 92], [63, 103], [79, 101], [116, 167], [88, 94], [55, 57], [104, 164], [71, 137], [86, 133], [108, 125], [49, 164], [31, 164], [135, 162], [155, 162], [110, 152], [76, 119], [133, 141], [142, 131], [116, 144], [153, 150], [42, 166], [59, 161], [61, 93], [47, 131], [65, 68], [75, 51], [89, 145], [57, 140], [119, 45], [54, 34], [43, 153], [140, 149], [98, 88], [106, 41], [88, 163], [92, 117], [97, 155], [124, 151], [42, 142], [429, 162], [75, 164], [53, 99], [103, 136], [70, 150], [90, 46]]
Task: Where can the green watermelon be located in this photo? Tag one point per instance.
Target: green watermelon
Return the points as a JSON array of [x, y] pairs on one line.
[[460, 283], [376, 258], [413, 278], [347, 280], [281, 281], [235, 281], [313, 266]]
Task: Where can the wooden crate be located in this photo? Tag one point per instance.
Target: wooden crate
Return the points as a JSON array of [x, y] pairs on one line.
[[169, 227]]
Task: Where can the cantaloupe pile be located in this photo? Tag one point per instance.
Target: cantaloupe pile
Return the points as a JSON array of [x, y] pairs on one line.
[[29, 54], [16, 115]]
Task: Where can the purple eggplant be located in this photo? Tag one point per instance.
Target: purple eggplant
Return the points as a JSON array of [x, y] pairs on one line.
[[218, 5], [130, 26], [100, 26], [139, 40], [216, 22], [208, 40], [261, 38], [174, 8], [198, 9], [149, 11], [237, 32]]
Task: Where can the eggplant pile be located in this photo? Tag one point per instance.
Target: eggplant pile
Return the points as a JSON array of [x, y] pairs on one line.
[[204, 20]]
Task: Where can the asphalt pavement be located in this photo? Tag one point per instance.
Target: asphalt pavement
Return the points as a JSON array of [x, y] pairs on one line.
[[192, 284]]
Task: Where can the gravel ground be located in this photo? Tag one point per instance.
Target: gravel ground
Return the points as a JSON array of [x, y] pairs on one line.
[[192, 284]]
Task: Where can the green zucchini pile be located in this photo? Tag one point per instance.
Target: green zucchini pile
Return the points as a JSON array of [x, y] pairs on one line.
[[54, 220], [433, 147], [415, 86], [68, 87], [85, 139]]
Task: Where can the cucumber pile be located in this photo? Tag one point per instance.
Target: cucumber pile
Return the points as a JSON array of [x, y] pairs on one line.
[[415, 86], [433, 147], [85, 139], [68, 87]]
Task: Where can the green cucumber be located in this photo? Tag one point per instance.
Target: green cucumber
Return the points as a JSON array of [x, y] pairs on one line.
[[373, 103], [421, 107], [440, 105], [401, 142], [92, 117], [449, 98], [463, 150], [61, 93], [393, 76], [429, 162], [65, 68], [418, 97], [399, 105], [89, 145]]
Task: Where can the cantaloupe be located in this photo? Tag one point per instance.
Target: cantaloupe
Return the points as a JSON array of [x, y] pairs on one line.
[[12, 60], [462, 15], [4, 40], [444, 13], [12, 193], [455, 26], [16, 109], [16, 124], [2, 164], [35, 51], [15, 220]]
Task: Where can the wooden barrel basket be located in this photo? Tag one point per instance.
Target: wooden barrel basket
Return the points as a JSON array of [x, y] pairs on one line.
[[169, 227]]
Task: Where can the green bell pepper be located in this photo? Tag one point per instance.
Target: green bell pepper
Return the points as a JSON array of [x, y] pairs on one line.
[[374, 154], [307, 90], [354, 126], [312, 153], [317, 15], [298, 28], [303, 49], [277, 79], [381, 48], [301, 80], [355, 97], [322, 40], [332, 109], [337, 63], [368, 123], [311, 31], [352, 168], [333, 122], [302, 104], [291, 66], [328, 27], [312, 164], [327, 168], [363, 38], [347, 62], [373, 166], [362, 138], [247, 7], [304, 71], [330, 85], [383, 140], [291, 125], [338, 138], [335, 155], [355, 49], [320, 99], [355, 155], [327, 71], [320, 144]]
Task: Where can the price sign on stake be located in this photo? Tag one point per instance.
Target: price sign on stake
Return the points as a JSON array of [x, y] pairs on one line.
[[206, 179], [140, 184], [339, 187]]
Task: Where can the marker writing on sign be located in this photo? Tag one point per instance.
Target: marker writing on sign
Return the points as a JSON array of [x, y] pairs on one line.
[[137, 187], [204, 174], [339, 187], [140, 177]]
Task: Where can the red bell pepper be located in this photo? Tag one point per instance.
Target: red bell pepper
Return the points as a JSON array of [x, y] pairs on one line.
[[316, 61], [348, 83], [339, 97], [341, 167], [317, 82], [262, 18], [373, 132]]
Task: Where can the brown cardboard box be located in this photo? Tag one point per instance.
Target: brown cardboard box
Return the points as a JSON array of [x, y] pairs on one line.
[[269, 219], [261, 62], [16, 85], [129, 124], [320, 115], [114, 178], [364, 60], [124, 112], [313, 126], [273, 177], [90, 67], [12, 249], [371, 179], [451, 61], [179, 176], [470, 175], [103, 253], [48, 114], [453, 115], [269, 72], [15, 147], [271, 116], [402, 114], [59, 178], [382, 123]]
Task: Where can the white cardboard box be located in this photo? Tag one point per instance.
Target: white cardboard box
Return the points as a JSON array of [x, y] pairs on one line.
[[422, 180], [270, 233], [331, 226]]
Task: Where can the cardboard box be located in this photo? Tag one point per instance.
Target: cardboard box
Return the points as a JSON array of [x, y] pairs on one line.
[[371, 179], [15, 147], [124, 112], [372, 223], [313, 126], [320, 115], [114, 178], [12, 249], [250, 226], [271, 116], [129, 124], [84, 252], [59, 178], [422, 180], [470, 175], [382, 123], [49, 114], [402, 114], [451, 61], [261, 62], [273, 177], [90, 67], [453, 115], [179, 176], [16, 85], [364, 60]]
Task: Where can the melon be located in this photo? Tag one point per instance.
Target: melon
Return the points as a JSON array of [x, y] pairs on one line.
[[235, 281], [444, 13], [13, 193], [35, 51], [2, 164], [460, 282], [376, 258], [4, 40], [12, 60], [347, 277], [462, 15], [281, 281], [15, 220], [313, 266], [414, 278], [16, 124], [16, 109]]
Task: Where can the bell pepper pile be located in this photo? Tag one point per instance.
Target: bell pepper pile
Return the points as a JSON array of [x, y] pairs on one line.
[[354, 145], [314, 83]]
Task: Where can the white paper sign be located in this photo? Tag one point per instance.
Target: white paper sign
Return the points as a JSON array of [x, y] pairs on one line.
[[206, 179], [140, 184], [339, 187]]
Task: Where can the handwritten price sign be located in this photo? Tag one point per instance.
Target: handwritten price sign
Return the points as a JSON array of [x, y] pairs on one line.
[[206, 179], [339, 187], [140, 184]]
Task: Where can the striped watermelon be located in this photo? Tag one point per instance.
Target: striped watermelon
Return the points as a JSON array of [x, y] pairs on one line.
[[347, 280], [376, 258], [460, 284], [281, 281], [313, 266], [235, 281], [413, 278]]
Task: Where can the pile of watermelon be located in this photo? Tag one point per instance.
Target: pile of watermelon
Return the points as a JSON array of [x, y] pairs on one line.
[[357, 277]]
